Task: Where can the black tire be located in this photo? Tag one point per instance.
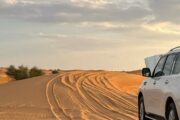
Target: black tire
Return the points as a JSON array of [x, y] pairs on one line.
[[141, 110], [172, 112]]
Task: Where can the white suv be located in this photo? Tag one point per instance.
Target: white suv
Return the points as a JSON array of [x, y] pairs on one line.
[[159, 95]]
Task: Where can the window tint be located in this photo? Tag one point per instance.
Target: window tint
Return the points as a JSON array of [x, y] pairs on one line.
[[177, 65], [160, 65], [168, 65]]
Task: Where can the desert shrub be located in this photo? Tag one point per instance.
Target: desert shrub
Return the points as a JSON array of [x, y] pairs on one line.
[[55, 71], [34, 72], [21, 73], [11, 70]]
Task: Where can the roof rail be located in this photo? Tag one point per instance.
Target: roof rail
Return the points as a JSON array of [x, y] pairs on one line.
[[178, 47]]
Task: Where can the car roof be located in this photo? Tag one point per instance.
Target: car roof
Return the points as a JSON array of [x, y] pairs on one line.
[[174, 50]]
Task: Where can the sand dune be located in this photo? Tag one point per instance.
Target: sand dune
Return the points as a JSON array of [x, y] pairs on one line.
[[72, 95]]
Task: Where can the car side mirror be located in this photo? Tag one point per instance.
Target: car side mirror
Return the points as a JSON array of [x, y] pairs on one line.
[[146, 72], [159, 74]]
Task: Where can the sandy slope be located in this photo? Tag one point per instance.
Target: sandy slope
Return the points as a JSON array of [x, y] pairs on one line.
[[4, 78], [25, 100], [76, 95]]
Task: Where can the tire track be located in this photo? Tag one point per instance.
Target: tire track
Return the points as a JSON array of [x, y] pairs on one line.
[[89, 95], [57, 112], [107, 95]]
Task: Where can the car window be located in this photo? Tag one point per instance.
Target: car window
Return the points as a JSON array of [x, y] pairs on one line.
[[176, 69], [159, 66], [168, 65]]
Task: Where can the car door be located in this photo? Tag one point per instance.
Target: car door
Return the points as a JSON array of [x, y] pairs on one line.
[[174, 83], [149, 88], [161, 85]]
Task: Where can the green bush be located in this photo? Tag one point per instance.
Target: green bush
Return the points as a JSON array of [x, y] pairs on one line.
[[11, 70], [35, 72], [55, 71], [23, 72], [20, 75]]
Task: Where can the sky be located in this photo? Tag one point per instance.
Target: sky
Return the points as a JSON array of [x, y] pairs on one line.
[[87, 34]]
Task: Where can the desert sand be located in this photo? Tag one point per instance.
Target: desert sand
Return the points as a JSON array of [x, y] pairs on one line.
[[72, 95], [4, 78]]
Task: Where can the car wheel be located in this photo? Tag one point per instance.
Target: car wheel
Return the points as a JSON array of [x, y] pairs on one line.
[[141, 110], [172, 113]]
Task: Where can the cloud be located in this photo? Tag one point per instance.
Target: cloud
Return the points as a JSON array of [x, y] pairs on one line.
[[165, 10], [92, 3], [103, 25], [91, 11], [164, 27], [78, 43], [12, 2], [52, 36], [76, 11], [120, 4]]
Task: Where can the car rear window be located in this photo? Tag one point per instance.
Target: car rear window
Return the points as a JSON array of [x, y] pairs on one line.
[[168, 65], [176, 69]]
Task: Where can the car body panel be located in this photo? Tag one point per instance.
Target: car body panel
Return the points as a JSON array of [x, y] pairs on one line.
[[147, 93], [174, 91], [162, 94], [155, 96]]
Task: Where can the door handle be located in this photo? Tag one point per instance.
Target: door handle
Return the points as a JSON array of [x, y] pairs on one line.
[[167, 82], [145, 83], [154, 83]]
